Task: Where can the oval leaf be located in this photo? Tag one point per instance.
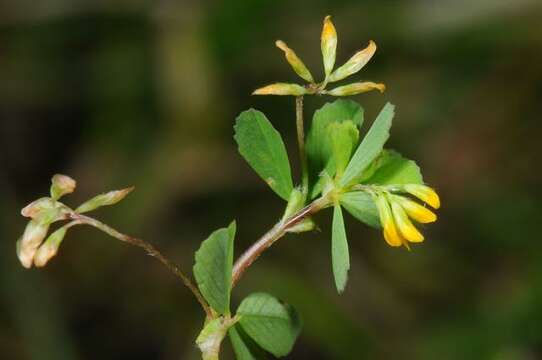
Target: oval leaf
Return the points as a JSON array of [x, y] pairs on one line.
[[391, 168], [272, 325], [370, 146], [262, 147], [213, 268], [339, 250], [361, 206]]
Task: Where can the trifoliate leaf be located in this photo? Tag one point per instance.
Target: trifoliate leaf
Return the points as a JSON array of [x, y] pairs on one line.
[[370, 146], [262, 147], [391, 168], [339, 250], [361, 206], [319, 145], [272, 325], [213, 268]]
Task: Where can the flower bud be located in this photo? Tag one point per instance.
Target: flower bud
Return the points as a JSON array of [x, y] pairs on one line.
[[416, 211], [281, 89], [109, 198], [50, 247], [27, 245], [328, 45], [391, 235], [355, 64], [355, 88], [407, 230], [424, 193], [61, 185], [45, 210], [296, 63]]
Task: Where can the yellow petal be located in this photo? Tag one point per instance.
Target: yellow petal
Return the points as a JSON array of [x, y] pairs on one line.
[[296, 63], [391, 235], [416, 211], [281, 89], [328, 45], [355, 64], [355, 88], [424, 193], [407, 230]]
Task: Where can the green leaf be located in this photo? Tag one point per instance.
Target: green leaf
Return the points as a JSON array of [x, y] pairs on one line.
[[370, 146], [213, 268], [272, 325], [319, 144], [339, 250], [243, 346], [344, 137], [361, 206], [262, 147], [391, 168]]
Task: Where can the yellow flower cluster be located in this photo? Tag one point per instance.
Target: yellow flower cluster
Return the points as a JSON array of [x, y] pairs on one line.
[[395, 212], [328, 44]]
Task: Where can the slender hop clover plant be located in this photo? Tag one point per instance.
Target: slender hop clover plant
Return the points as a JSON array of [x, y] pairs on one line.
[[375, 185]]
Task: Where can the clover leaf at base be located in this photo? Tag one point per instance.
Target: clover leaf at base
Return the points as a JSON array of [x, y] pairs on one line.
[[271, 324]]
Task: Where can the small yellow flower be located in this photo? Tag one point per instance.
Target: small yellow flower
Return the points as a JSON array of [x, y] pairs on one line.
[[406, 228], [355, 63], [355, 88], [415, 211], [329, 45], [424, 193], [281, 89], [296, 63], [391, 235]]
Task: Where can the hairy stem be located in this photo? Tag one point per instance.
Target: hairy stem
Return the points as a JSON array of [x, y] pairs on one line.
[[301, 143], [275, 233], [149, 249]]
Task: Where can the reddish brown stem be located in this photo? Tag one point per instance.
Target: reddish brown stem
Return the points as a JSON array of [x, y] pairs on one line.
[[275, 233]]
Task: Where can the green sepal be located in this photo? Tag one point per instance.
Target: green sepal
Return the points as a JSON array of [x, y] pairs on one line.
[[361, 205]]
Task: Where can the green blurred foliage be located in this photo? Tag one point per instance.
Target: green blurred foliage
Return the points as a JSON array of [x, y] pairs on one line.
[[146, 93]]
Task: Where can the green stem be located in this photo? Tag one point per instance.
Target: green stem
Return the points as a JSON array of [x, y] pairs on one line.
[[301, 143], [150, 249]]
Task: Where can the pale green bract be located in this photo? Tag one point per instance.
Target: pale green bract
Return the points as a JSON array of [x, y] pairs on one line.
[[213, 268], [262, 147], [272, 325], [340, 257]]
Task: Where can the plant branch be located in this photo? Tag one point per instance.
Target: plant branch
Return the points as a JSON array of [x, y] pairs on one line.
[[149, 249], [301, 143], [276, 232]]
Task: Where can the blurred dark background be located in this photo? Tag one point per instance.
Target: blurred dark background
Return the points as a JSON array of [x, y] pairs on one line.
[[145, 93]]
